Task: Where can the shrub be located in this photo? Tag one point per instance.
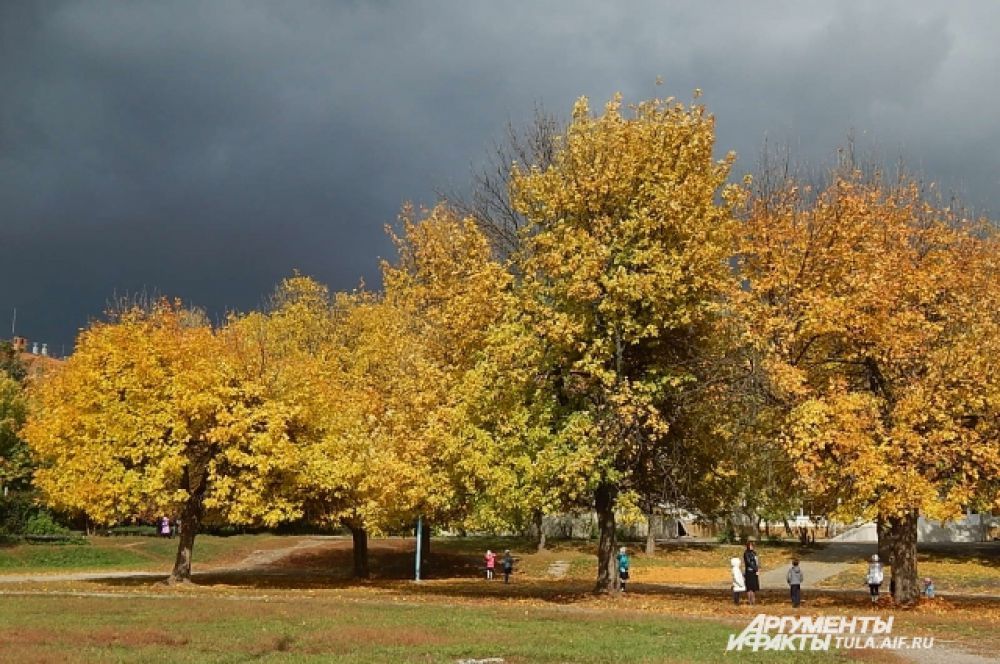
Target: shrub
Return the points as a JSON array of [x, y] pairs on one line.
[[727, 536], [42, 523]]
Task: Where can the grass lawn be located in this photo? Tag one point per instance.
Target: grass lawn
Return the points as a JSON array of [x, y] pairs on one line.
[[974, 571], [306, 607], [184, 628], [948, 577], [131, 553]]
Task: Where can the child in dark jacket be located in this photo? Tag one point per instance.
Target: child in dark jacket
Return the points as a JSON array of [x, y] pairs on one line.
[[794, 578], [508, 565]]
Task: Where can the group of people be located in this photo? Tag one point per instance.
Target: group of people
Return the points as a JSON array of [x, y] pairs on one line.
[[506, 564], [875, 577], [747, 580], [746, 574]]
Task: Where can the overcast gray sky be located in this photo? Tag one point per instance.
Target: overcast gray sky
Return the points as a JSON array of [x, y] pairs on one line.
[[206, 149]]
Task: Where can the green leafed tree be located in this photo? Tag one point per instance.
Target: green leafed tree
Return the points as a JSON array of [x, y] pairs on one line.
[[630, 231]]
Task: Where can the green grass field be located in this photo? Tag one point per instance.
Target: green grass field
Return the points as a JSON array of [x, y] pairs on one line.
[[318, 629], [303, 605], [130, 553]]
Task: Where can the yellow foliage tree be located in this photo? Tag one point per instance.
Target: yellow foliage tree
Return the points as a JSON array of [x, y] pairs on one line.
[[156, 413], [395, 436], [626, 265], [875, 313], [447, 290]]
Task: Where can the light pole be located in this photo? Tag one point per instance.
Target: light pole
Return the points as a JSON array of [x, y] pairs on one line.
[[416, 564]]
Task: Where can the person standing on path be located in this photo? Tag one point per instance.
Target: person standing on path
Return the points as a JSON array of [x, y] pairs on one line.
[[164, 526], [623, 564], [874, 578], [751, 565], [794, 578], [739, 584], [508, 565], [491, 563]]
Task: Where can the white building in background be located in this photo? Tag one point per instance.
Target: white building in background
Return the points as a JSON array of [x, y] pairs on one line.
[[973, 527]]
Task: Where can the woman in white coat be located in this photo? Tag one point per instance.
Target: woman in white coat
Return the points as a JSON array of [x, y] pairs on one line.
[[739, 584]]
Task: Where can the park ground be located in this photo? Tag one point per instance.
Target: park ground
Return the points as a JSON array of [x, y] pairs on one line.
[[291, 599]]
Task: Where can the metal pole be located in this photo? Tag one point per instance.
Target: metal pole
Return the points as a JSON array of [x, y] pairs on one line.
[[419, 538]]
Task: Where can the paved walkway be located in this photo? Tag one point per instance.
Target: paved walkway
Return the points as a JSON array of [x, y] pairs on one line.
[[942, 653], [812, 571]]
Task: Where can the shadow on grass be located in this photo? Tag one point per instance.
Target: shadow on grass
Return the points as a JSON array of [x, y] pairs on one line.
[[455, 571]]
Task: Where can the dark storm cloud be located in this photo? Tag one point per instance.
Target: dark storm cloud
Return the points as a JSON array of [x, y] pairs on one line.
[[206, 149]]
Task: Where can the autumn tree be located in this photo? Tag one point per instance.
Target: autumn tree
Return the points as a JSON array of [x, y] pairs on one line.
[[394, 440], [15, 461], [489, 202], [447, 288], [532, 461], [10, 362], [630, 231], [155, 413], [874, 310]]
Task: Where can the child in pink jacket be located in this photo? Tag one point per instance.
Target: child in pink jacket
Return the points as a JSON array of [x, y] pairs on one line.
[[491, 563]]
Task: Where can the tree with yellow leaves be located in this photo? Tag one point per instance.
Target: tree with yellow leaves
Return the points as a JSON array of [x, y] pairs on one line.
[[875, 315], [156, 413], [630, 233], [394, 437], [448, 292]]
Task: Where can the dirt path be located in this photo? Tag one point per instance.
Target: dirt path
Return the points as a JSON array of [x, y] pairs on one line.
[[269, 557], [261, 560], [558, 569]]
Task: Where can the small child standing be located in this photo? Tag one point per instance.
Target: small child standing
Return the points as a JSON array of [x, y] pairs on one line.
[[928, 588], [491, 563], [508, 565], [794, 578], [874, 578], [739, 584], [623, 565]]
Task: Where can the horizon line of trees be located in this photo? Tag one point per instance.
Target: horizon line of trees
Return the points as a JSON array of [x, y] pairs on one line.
[[608, 322]]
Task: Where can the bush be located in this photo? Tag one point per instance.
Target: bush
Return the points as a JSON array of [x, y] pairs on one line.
[[21, 515], [15, 510], [42, 523], [727, 536]]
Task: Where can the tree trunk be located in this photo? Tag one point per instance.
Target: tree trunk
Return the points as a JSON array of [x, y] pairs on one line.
[[425, 549], [607, 572], [360, 549], [650, 534], [190, 522], [884, 534], [904, 557], [538, 518]]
